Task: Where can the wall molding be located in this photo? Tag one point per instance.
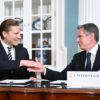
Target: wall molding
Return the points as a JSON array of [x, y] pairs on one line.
[[87, 11]]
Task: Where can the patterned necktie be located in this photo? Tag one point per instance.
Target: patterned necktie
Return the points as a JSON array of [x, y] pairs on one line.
[[9, 53], [88, 64]]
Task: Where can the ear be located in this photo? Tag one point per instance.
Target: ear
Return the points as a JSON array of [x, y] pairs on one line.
[[92, 36], [4, 34]]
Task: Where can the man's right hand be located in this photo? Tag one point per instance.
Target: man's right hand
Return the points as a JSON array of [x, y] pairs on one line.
[[33, 66], [38, 67]]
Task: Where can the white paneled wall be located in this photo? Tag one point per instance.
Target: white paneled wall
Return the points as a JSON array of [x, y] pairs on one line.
[[89, 11]]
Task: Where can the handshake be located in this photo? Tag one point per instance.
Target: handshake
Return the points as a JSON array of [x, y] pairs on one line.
[[33, 66]]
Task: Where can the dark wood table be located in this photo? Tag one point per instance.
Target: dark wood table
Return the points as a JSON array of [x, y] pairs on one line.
[[38, 91]]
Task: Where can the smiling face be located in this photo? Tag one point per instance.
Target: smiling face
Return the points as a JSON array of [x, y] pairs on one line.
[[12, 37], [85, 41]]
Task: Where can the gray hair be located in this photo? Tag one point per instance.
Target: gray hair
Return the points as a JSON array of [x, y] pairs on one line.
[[90, 28]]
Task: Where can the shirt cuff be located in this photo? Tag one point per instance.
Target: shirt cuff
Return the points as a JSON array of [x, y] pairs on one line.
[[45, 70]]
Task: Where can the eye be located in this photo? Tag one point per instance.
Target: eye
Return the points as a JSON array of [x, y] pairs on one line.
[[79, 36]]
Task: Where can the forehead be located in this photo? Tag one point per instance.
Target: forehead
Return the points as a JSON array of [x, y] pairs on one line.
[[81, 31]]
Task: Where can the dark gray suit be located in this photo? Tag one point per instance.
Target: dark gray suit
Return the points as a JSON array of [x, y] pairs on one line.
[[77, 64], [9, 69]]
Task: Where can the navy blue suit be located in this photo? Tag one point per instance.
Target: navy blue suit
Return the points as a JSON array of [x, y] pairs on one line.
[[9, 69], [77, 64]]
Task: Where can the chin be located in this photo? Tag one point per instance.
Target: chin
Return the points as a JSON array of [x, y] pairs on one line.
[[81, 48], [15, 44]]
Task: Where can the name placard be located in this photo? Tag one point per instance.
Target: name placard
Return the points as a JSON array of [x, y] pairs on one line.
[[83, 79]]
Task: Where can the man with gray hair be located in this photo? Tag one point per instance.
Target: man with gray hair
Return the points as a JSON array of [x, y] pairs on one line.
[[86, 60]]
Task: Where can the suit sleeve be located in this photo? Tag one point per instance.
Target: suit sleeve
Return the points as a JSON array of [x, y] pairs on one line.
[[7, 65], [10, 68], [54, 75]]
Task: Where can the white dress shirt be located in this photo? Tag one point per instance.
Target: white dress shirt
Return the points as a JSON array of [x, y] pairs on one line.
[[93, 52], [6, 49]]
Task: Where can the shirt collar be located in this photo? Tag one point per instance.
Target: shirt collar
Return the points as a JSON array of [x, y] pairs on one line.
[[94, 49], [5, 45]]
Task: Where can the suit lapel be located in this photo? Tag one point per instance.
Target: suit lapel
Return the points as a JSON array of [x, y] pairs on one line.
[[83, 60], [16, 52], [96, 65], [3, 51]]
